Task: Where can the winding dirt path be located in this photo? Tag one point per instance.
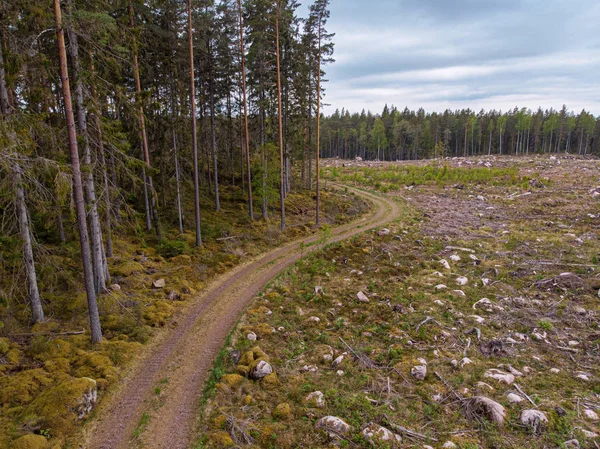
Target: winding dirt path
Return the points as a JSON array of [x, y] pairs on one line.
[[185, 354]]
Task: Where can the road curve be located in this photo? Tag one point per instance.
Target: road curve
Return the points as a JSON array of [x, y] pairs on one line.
[[185, 354]]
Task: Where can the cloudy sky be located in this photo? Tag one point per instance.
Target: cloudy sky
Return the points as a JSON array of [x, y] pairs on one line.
[[440, 54]]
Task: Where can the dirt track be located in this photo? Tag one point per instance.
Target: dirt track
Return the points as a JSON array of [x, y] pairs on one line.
[[185, 354]]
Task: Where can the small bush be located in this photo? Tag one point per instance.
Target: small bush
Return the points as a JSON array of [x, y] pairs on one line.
[[172, 248]]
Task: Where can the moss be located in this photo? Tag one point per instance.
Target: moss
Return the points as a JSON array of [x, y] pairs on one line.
[[60, 408], [128, 268], [21, 388], [283, 412], [4, 346], [96, 365], [59, 365], [221, 439], [270, 381], [158, 313], [232, 380], [30, 442]]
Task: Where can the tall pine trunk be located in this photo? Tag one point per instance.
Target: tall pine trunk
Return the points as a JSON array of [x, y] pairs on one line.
[[152, 203], [33, 293], [280, 120], [98, 257], [245, 102], [88, 272], [194, 124], [318, 130]]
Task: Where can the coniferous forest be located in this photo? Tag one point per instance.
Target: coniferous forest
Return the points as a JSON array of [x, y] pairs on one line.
[[160, 165]]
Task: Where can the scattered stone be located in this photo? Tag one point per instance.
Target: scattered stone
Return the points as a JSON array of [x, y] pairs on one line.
[[483, 406], [262, 369], [533, 418], [500, 376], [583, 377], [333, 425], [449, 445], [419, 372], [309, 369], [445, 264], [587, 433], [458, 294], [315, 399], [477, 319], [338, 361], [590, 415], [441, 287], [383, 232], [339, 373], [314, 319], [461, 280], [466, 361], [571, 443], [362, 297], [378, 435], [455, 258], [318, 290], [159, 283], [251, 336], [514, 398], [114, 288], [554, 370], [580, 311]]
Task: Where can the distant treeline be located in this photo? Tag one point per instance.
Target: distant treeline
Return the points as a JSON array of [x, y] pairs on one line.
[[402, 135]]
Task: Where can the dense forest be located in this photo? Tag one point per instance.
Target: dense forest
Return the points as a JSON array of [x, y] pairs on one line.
[[114, 110], [410, 135]]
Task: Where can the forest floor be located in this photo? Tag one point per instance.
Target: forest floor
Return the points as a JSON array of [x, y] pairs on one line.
[[49, 373], [471, 322]]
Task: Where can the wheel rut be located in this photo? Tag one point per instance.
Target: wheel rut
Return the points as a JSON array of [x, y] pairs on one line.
[[185, 354]]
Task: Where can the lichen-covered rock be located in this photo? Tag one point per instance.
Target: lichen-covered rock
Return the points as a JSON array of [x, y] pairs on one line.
[[333, 425], [61, 407], [533, 418], [500, 376], [126, 269], [315, 399], [419, 372], [283, 412], [159, 283], [378, 435], [30, 442], [260, 369]]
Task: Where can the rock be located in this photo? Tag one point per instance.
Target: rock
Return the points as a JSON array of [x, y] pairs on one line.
[[445, 264], [172, 295], [461, 280], [441, 287], [454, 363], [159, 283], [554, 370], [315, 399], [383, 232], [583, 376], [362, 297], [449, 445], [309, 369], [514, 398], [500, 376], [324, 353], [333, 423], [455, 258], [478, 319], [580, 311], [339, 373], [262, 369], [590, 415], [113, 288], [282, 411], [466, 361], [571, 444], [338, 361], [378, 435], [483, 406], [318, 290], [235, 356], [419, 372], [30, 441], [587, 433], [314, 319], [458, 294], [251, 336], [533, 418]]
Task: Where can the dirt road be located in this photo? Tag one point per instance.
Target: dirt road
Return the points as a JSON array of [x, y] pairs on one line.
[[185, 354]]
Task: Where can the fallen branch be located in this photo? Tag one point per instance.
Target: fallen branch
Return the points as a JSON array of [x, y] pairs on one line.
[[222, 239], [360, 357], [457, 248], [525, 394], [407, 432], [46, 334]]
